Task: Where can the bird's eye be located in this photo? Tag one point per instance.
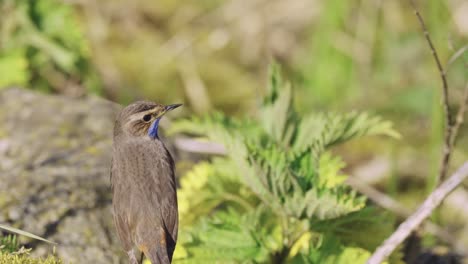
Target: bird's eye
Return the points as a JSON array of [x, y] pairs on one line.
[[147, 118]]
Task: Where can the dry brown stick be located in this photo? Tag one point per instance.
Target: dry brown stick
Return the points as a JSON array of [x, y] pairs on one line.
[[445, 95], [378, 197], [424, 211], [199, 146]]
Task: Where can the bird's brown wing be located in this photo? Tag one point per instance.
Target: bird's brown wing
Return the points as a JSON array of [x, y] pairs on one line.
[[162, 188], [146, 192], [163, 192], [119, 204], [171, 220]]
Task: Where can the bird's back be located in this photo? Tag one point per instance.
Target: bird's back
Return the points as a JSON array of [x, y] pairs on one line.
[[144, 191]]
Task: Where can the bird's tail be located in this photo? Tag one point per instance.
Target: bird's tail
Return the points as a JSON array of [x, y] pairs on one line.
[[158, 255]]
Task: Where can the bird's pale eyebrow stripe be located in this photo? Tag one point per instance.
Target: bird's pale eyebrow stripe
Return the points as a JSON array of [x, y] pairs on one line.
[[146, 108], [151, 111]]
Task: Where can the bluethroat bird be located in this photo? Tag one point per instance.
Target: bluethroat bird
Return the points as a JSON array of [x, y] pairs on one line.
[[143, 184]]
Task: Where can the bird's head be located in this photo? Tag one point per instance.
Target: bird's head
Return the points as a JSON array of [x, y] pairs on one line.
[[141, 119]]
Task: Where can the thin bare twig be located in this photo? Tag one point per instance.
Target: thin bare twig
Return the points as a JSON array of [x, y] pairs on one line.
[[424, 211], [445, 95]]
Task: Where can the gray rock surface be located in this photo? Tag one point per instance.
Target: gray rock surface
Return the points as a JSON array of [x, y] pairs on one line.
[[54, 173]]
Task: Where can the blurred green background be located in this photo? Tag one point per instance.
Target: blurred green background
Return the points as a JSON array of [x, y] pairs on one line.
[[213, 54]]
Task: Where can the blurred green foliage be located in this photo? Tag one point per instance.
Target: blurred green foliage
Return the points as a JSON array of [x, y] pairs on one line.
[[42, 46], [369, 49], [361, 54], [214, 53], [279, 196]]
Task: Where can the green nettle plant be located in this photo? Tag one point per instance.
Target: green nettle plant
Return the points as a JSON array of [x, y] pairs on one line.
[[278, 196]]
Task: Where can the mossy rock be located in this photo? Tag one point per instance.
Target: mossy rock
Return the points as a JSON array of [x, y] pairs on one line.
[[54, 167]]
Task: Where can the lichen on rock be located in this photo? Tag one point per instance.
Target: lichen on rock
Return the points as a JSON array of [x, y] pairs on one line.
[[54, 167]]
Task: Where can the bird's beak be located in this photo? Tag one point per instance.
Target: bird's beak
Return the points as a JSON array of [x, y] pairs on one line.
[[168, 108]]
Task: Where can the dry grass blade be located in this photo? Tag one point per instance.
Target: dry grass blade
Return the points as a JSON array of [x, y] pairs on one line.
[[456, 56], [24, 233]]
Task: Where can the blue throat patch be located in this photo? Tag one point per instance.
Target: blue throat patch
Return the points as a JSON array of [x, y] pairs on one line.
[[153, 130]]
